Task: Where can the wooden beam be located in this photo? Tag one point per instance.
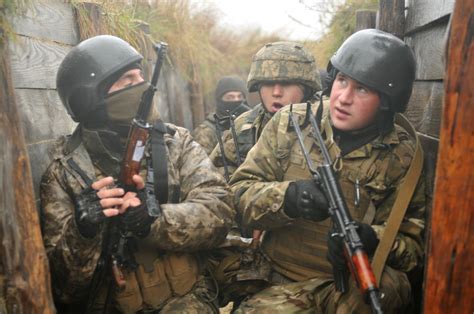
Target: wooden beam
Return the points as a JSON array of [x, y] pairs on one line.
[[423, 12], [450, 275], [392, 17], [24, 282], [365, 19]]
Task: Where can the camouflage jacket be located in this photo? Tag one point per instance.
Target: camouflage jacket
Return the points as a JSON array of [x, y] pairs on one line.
[[205, 134], [248, 127], [261, 181], [199, 221]]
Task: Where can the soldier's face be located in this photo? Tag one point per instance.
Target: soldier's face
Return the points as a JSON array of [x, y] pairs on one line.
[[129, 78], [352, 105], [277, 95], [233, 96]]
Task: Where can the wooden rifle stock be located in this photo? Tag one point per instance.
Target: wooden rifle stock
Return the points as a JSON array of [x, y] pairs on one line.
[[138, 134]]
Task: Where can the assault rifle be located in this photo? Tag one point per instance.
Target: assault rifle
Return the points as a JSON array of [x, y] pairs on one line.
[[343, 224], [221, 121], [118, 247], [139, 131], [218, 122], [122, 252]]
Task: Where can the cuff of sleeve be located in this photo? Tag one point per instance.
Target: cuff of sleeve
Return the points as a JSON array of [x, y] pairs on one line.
[[271, 200]]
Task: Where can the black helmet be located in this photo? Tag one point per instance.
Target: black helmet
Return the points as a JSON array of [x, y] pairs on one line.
[[89, 69], [379, 60]]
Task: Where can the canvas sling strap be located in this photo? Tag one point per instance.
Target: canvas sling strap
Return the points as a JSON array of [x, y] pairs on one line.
[[405, 193]]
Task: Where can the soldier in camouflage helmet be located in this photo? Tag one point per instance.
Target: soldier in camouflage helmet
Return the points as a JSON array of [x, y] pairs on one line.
[[91, 225], [371, 79], [282, 73], [231, 100]]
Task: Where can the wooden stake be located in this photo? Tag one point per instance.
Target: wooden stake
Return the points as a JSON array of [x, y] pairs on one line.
[[392, 17], [449, 280], [24, 274]]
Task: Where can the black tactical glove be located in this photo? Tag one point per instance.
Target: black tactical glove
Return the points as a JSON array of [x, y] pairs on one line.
[[305, 199], [336, 246], [138, 219], [89, 213]]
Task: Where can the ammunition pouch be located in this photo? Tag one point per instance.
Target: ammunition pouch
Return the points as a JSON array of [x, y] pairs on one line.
[[157, 279]]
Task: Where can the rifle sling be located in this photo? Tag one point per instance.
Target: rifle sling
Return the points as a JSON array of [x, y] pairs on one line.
[[405, 193], [159, 161]]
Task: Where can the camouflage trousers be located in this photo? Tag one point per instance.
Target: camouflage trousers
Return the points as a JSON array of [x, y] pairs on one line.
[[201, 299], [189, 304], [320, 296]]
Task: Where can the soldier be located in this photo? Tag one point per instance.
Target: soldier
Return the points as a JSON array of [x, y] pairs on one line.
[[230, 95], [372, 75], [282, 73], [100, 84]]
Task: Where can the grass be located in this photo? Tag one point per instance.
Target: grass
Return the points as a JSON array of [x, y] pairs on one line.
[[199, 49]]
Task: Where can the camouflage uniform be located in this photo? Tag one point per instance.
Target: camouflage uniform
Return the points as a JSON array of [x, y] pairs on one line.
[[169, 277], [205, 134], [248, 128], [274, 63], [297, 248]]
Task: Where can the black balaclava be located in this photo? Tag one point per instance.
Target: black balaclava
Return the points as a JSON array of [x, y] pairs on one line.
[[228, 84]]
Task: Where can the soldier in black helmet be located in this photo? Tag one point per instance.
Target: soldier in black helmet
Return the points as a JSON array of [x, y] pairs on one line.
[[100, 83], [371, 78]]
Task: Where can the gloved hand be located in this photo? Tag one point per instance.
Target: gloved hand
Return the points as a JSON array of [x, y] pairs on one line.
[[305, 199], [89, 213], [137, 219], [336, 255]]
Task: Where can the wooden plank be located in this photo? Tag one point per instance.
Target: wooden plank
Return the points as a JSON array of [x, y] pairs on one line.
[[450, 274], [47, 19], [424, 107], [42, 115], [35, 62], [392, 17], [178, 100], [428, 46], [422, 12], [430, 149], [25, 280], [365, 19]]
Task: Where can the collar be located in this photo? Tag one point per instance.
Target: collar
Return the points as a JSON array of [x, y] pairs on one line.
[[106, 159]]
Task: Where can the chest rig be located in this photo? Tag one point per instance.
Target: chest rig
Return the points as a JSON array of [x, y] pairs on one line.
[[250, 130], [298, 251], [157, 275]]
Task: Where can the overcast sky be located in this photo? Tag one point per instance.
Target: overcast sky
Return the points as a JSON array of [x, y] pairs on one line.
[[270, 15]]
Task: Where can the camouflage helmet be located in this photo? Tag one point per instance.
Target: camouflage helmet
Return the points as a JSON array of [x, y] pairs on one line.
[[283, 62], [380, 61], [88, 70]]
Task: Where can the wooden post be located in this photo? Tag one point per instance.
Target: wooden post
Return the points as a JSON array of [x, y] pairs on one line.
[[365, 19], [24, 281], [449, 281], [392, 17]]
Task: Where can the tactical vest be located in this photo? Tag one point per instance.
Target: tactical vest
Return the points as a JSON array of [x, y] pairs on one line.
[[160, 275], [298, 251], [248, 132]]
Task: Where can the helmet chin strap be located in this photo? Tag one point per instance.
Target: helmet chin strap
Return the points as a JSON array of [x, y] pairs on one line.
[[385, 115]]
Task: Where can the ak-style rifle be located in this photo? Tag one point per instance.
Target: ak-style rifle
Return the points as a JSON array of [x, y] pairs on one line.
[[343, 224], [117, 247]]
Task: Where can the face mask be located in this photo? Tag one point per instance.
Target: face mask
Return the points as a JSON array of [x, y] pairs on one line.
[[122, 106], [236, 108]]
